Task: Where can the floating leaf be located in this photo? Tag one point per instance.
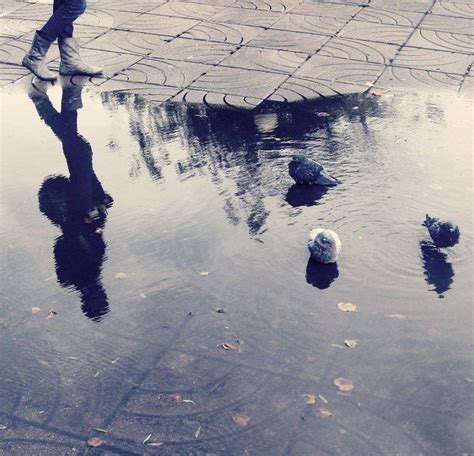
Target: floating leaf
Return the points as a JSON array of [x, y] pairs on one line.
[[95, 442], [322, 114], [176, 397], [323, 398], [376, 94], [100, 430], [143, 295], [347, 307], [241, 420], [51, 314], [205, 273], [344, 384], [227, 346], [148, 437], [3, 427], [155, 444], [311, 398], [351, 343], [121, 275], [324, 413], [198, 432], [397, 316], [220, 310], [188, 401], [35, 310]]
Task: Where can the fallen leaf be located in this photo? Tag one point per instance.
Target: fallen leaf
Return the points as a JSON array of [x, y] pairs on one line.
[[143, 295], [43, 362], [176, 397], [311, 398], [121, 275], [323, 398], [376, 94], [96, 374], [227, 346], [205, 273], [198, 432], [241, 420], [148, 437], [3, 427], [155, 444], [188, 401], [351, 343], [344, 384], [35, 310], [51, 314], [336, 346], [324, 413], [347, 307], [220, 311], [100, 430], [322, 114], [99, 231], [397, 316], [95, 442]]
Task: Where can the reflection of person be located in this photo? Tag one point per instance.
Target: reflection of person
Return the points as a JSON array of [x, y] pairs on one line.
[[321, 275], [59, 26], [78, 205], [438, 272]]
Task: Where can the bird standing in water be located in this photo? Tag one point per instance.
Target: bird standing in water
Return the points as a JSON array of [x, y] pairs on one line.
[[309, 172], [324, 245], [444, 233]]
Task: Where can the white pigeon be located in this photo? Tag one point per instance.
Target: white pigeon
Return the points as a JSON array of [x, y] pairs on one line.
[[324, 245]]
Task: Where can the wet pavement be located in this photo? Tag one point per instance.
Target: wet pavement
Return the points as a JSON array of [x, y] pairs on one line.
[[155, 277]]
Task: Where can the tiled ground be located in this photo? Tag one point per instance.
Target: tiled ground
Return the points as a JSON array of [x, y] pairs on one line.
[[279, 50]]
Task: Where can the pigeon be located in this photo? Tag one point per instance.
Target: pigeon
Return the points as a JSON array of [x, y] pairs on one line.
[[443, 232], [309, 172], [324, 245]]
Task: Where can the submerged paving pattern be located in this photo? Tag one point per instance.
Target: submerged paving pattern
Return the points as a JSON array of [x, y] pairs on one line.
[[241, 53]]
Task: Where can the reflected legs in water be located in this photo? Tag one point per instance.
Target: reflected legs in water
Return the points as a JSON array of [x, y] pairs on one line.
[[77, 205]]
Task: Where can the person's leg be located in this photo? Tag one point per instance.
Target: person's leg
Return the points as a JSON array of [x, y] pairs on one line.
[[60, 23], [69, 29]]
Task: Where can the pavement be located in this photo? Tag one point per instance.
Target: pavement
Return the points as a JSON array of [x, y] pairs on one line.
[[243, 53]]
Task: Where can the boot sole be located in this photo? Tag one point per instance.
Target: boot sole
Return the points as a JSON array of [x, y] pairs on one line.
[[51, 78], [72, 73]]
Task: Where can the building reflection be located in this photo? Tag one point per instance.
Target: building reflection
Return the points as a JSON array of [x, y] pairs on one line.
[[76, 204]]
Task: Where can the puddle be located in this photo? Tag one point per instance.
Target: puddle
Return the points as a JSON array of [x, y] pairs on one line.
[[135, 222]]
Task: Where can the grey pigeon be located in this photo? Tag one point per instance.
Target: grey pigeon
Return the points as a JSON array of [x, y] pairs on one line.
[[443, 232], [324, 245], [308, 172]]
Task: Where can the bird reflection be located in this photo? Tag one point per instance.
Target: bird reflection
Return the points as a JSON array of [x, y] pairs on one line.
[[438, 272], [305, 195], [321, 275], [77, 205]]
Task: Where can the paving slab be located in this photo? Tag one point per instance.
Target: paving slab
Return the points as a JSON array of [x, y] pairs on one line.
[[257, 18], [420, 6], [154, 93], [444, 41], [222, 33], [215, 99], [187, 10], [16, 28], [438, 23], [159, 25], [454, 9], [10, 73], [382, 33], [14, 50], [467, 88], [390, 17], [136, 6], [310, 24]]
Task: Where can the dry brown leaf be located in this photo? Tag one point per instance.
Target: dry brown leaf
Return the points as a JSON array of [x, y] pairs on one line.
[[397, 316], [241, 420], [95, 442], [51, 314], [227, 346], [351, 343], [344, 384], [376, 94], [324, 413], [121, 275], [347, 307], [205, 273], [311, 398], [35, 310]]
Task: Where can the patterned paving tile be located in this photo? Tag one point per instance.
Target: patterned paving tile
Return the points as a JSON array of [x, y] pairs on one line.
[[194, 51], [245, 83], [154, 93], [327, 10], [448, 24], [158, 25], [38, 11], [382, 33], [17, 27], [174, 74], [331, 69], [222, 33], [186, 9], [390, 17], [138, 6], [10, 73], [453, 8], [217, 100], [14, 50], [267, 5], [215, 2], [310, 24], [125, 41], [106, 19], [420, 6], [362, 51], [112, 62], [427, 59], [252, 58], [298, 90], [255, 18], [467, 88], [414, 80], [289, 41], [444, 41]]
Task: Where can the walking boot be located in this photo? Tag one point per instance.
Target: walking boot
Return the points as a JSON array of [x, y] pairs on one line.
[[34, 60], [71, 62]]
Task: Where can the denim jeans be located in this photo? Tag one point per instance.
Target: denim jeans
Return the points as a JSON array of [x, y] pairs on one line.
[[59, 25]]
